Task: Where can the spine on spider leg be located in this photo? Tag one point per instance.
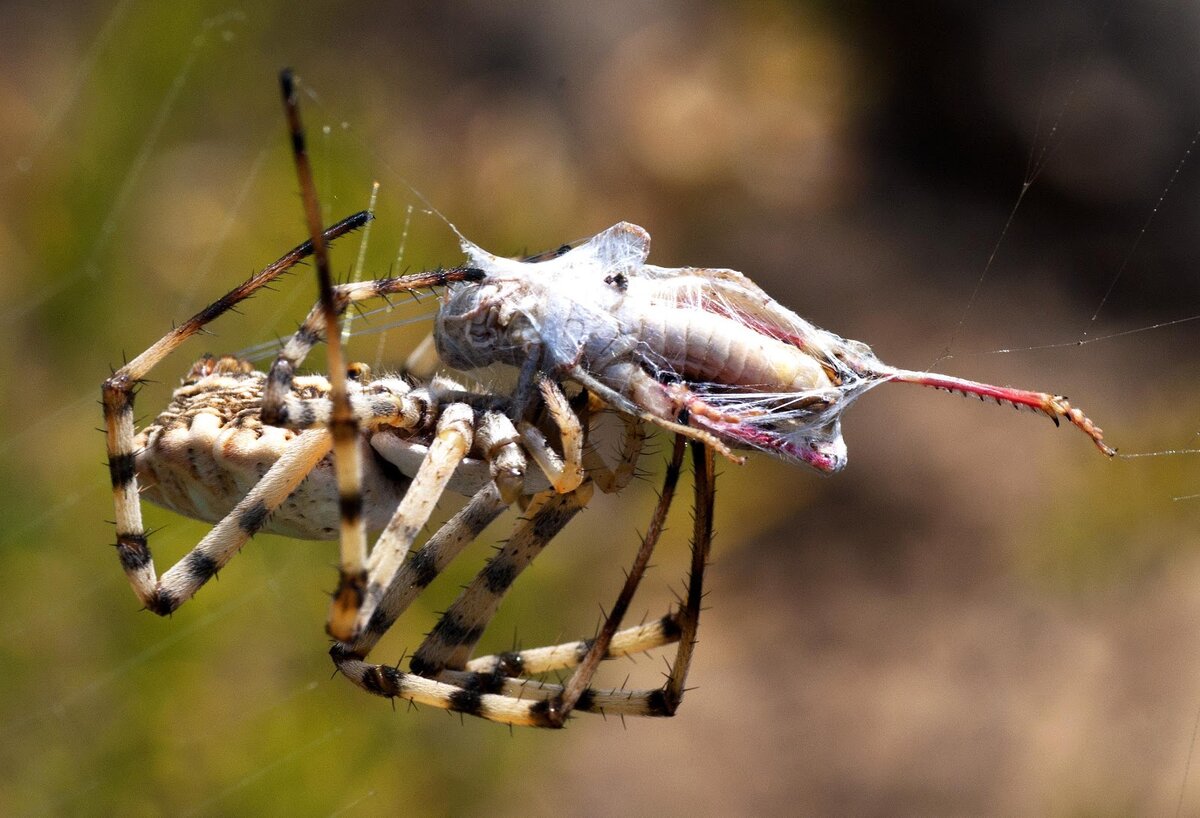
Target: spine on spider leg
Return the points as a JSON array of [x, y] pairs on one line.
[[598, 651], [343, 425], [704, 474]]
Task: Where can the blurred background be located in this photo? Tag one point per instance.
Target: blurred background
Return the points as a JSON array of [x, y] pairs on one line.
[[980, 615]]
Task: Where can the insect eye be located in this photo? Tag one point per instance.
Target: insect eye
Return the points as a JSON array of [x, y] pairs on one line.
[[617, 280]]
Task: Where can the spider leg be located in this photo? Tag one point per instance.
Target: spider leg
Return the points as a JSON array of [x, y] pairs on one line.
[[618, 401], [356, 596], [226, 538], [343, 425], [534, 661], [704, 471], [498, 439], [455, 432], [119, 392], [565, 472], [494, 675], [426, 564], [229, 535], [451, 641], [560, 707], [612, 480]]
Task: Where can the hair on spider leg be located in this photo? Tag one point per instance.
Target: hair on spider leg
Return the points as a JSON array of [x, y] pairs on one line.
[[667, 662], [150, 532], [675, 593]]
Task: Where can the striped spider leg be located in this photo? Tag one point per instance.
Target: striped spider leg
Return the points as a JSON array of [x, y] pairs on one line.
[[497, 687], [486, 672], [376, 585], [210, 456], [125, 449]]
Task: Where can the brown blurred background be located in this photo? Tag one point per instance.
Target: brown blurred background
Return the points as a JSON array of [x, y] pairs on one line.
[[980, 615]]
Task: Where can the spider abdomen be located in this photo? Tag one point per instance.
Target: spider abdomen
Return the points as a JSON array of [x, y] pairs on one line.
[[209, 447]]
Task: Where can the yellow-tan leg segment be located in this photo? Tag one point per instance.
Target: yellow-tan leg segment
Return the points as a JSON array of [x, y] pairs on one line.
[[416, 574], [228, 536], [455, 431], [612, 480], [451, 641], [565, 472], [533, 661], [500, 442]]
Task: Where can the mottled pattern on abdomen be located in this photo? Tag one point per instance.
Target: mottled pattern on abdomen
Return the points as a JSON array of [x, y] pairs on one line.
[[209, 447]]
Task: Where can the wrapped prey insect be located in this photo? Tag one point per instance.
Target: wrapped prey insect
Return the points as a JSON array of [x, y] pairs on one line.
[[701, 352]]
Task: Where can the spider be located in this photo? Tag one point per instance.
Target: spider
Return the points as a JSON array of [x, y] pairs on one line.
[[703, 353], [288, 445]]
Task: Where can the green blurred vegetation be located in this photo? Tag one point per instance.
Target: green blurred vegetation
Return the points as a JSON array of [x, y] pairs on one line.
[[977, 616]]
